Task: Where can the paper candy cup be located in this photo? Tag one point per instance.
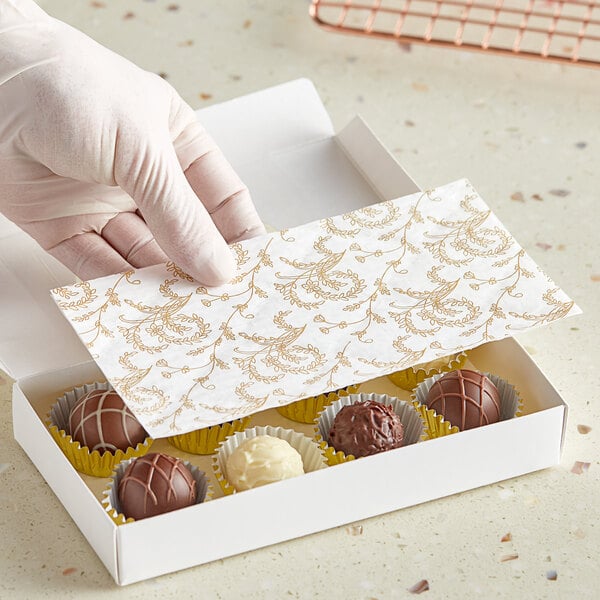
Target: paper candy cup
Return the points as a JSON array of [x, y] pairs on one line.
[[510, 401], [308, 409], [414, 426], [312, 456], [206, 441], [409, 379], [111, 496], [90, 463]]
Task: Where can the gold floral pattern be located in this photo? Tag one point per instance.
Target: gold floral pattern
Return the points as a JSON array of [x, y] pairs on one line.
[[311, 309]]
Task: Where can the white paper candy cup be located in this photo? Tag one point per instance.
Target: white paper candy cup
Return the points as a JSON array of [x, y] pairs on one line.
[[510, 401], [111, 497], [91, 463], [414, 427], [312, 456]]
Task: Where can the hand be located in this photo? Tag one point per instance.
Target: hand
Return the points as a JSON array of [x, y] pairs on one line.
[[104, 164]]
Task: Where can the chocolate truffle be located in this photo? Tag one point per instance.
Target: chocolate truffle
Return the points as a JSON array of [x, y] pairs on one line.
[[366, 428], [154, 484], [101, 421], [465, 398], [260, 460]]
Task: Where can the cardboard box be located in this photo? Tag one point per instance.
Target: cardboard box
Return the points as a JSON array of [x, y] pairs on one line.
[[298, 170]]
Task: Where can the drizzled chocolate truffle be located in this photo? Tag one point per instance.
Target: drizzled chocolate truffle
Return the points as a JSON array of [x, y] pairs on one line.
[[154, 484], [366, 428], [465, 398], [101, 421]]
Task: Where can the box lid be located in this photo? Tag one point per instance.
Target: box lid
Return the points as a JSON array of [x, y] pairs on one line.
[[285, 130]]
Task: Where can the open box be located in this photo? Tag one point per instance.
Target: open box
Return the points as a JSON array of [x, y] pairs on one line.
[[298, 171]]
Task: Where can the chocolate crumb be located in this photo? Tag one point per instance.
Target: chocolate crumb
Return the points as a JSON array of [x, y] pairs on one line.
[[69, 571], [508, 557], [584, 429], [580, 467], [419, 587], [507, 537], [354, 529], [420, 87]]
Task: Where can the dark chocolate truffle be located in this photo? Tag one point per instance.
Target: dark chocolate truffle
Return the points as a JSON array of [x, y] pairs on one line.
[[465, 398], [366, 428], [101, 421], [154, 484]]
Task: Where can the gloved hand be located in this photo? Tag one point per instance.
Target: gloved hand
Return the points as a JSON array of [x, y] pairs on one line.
[[103, 163]]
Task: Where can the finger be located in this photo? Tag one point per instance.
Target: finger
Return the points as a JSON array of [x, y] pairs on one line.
[[149, 171], [89, 256], [129, 235], [226, 198], [212, 177]]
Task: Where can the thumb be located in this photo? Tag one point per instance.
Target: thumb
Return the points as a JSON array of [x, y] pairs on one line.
[[149, 171]]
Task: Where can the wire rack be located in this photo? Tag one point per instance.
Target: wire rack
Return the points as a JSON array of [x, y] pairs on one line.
[[566, 31]]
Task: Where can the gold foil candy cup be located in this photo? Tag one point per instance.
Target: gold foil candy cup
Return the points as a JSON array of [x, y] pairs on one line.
[[312, 455], [308, 409], [510, 403], [207, 440], [412, 421], [91, 463], [111, 503], [409, 379]]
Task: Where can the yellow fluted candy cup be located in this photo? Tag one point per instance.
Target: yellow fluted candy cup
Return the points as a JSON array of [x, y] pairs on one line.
[[308, 409], [207, 440], [409, 379]]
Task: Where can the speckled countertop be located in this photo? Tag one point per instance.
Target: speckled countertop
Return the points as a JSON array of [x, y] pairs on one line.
[[527, 134]]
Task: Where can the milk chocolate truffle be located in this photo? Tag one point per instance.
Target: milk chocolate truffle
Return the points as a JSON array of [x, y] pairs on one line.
[[260, 460], [101, 421], [465, 398], [154, 484], [366, 428]]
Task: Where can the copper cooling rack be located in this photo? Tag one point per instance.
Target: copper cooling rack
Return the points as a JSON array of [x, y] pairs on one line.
[[566, 31]]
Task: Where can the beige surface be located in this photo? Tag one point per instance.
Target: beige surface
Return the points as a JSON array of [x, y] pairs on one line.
[[527, 134]]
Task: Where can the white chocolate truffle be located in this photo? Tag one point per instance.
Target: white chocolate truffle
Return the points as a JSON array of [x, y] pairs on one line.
[[261, 460]]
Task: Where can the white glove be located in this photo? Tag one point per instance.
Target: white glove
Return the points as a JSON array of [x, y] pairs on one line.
[[103, 163]]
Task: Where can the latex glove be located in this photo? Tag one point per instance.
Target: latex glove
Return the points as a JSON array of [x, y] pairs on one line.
[[103, 163]]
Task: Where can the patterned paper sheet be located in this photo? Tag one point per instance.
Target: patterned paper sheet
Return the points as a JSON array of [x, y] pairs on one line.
[[312, 309]]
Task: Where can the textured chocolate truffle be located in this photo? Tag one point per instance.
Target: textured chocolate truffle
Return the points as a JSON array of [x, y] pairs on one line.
[[154, 484], [465, 398], [260, 460], [366, 428], [101, 421]]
